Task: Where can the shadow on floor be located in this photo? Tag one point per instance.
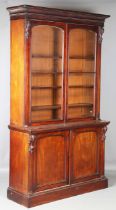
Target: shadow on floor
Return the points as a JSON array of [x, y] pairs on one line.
[[111, 175], [4, 179]]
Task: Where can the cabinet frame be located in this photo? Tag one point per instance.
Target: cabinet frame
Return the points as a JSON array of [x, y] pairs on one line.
[[25, 136]]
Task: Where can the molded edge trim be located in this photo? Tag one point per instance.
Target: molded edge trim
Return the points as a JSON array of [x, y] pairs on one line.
[[58, 127], [28, 9]]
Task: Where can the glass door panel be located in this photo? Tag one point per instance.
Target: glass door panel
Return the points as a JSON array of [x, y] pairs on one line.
[[81, 73], [47, 50]]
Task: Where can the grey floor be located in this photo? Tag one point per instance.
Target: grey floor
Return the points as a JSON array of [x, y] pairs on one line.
[[98, 200]]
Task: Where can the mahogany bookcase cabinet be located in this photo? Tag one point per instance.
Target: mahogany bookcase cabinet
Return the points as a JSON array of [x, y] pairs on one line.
[[56, 135]]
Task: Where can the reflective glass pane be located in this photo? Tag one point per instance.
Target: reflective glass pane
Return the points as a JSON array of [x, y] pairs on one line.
[[81, 70], [46, 73]]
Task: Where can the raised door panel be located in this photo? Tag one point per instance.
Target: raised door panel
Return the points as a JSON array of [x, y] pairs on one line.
[[51, 160], [85, 155]]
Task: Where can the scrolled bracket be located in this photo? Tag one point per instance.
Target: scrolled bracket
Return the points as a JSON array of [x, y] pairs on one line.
[[103, 133], [100, 34], [27, 29], [32, 143]]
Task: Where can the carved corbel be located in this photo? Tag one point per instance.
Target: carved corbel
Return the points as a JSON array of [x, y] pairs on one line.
[[103, 133], [100, 34], [32, 143], [27, 29]]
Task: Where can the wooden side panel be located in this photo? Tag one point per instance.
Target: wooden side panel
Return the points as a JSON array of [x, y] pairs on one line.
[[19, 161], [52, 160], [84, 154], [17, 72]]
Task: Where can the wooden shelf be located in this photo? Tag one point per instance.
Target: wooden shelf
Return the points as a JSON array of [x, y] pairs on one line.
[[82, 116], [45, 72], [82, 72], [57, 72], [46, 56], [49, 107], [56, 87], [90, 57], [38, 121], [45, 107], [43, 87], [80, 105], [81, 86]]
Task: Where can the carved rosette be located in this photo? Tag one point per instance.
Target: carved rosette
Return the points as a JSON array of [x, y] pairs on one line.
[[32, 143], [27, 29], [100, 35], [103, 133]]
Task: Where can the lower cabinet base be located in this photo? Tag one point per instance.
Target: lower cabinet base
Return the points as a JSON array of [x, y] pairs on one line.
[[38, 198]]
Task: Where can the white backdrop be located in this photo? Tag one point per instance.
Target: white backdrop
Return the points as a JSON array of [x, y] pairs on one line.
[[108, 88]]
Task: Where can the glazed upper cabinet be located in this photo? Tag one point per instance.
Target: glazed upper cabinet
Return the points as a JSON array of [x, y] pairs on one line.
[[63, 71], [57, 139]]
